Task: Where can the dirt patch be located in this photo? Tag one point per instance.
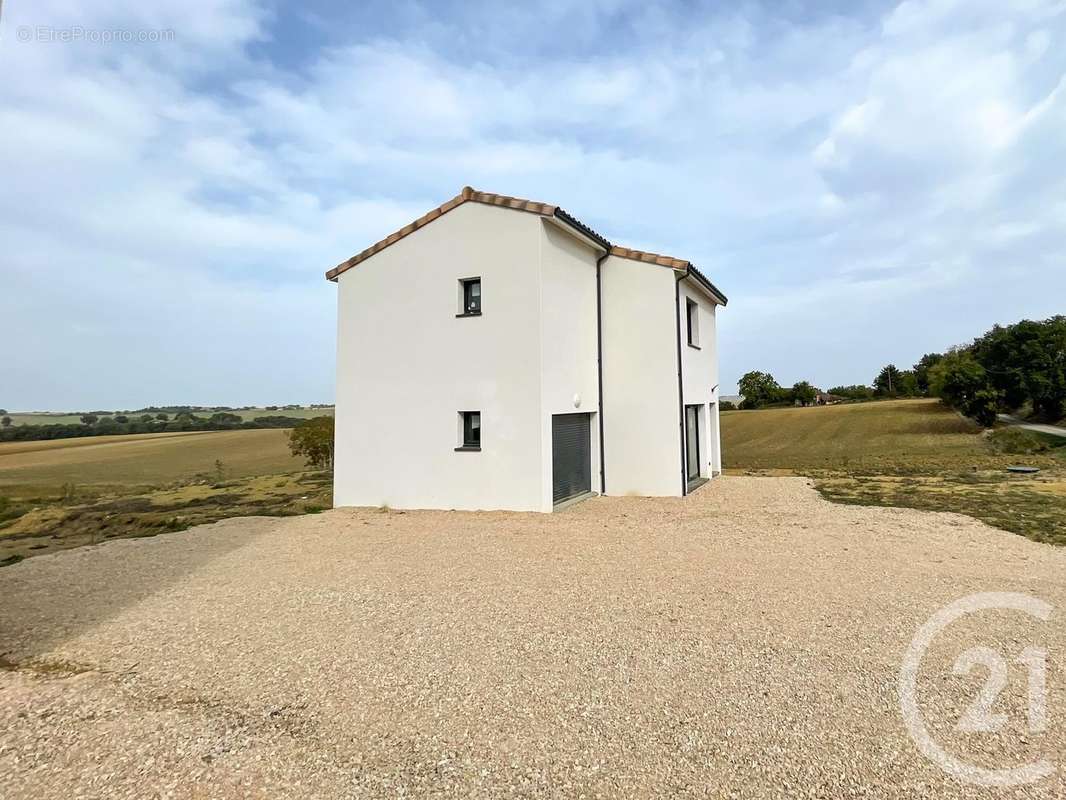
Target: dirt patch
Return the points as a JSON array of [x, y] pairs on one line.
[[60, 522], [1034, 507]]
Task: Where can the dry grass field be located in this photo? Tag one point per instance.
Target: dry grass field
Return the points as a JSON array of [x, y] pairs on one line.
[[68, 492], [145, 459], [901, 437], [908, 453]]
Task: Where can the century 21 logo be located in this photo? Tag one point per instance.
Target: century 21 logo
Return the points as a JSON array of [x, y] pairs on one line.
[[980, 717]]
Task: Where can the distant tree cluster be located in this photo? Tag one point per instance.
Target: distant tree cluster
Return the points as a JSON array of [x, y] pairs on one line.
[[854, 392], [760, 389], [111, 425], [891, 381], [1009, 368]]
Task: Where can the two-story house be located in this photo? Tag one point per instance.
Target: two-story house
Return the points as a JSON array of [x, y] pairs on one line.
[[496, 353]]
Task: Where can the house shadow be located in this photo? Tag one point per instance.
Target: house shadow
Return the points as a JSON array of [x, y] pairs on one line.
[[48, 600]]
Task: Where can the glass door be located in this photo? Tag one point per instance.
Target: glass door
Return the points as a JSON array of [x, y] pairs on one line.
[[692, 442]]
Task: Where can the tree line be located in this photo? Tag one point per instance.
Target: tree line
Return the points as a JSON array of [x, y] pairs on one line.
[[118, 424], [1010, 368]]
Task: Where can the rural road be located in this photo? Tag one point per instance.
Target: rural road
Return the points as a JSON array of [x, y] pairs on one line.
[[1051, 430]]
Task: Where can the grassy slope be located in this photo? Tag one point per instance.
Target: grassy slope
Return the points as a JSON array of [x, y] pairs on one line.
[[910, 453], [893, 437], [70, 492], [48, 418]]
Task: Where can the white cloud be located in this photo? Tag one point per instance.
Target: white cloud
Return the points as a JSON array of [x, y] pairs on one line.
[[838, 177]]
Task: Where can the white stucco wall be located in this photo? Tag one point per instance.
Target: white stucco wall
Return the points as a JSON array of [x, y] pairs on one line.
[[568, 342], [642, 448], [406, 366], [700, 373]]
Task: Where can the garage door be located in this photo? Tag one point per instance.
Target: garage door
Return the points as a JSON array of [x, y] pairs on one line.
[[571, 456]]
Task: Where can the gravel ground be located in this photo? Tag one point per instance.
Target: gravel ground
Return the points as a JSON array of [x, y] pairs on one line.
[[742, 642]]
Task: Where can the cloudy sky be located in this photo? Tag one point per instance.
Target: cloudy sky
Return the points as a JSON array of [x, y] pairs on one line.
[[867, 181]]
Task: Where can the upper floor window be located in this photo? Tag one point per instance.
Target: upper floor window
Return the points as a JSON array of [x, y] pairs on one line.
[[692, 312], [470, 297]]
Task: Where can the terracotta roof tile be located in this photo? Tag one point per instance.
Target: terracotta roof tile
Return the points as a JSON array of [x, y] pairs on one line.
[[649, 258], [467, 195], [470, 195]]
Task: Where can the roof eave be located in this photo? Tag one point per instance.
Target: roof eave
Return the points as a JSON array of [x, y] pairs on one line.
[[709, 287], [584, 230]]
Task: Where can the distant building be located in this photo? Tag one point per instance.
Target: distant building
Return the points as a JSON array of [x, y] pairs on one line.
[[826, 399]]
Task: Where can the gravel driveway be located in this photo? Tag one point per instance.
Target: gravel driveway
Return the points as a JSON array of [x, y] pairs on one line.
[[743, 642]]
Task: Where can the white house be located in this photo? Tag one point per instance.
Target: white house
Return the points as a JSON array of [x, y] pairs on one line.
[[496, 353]]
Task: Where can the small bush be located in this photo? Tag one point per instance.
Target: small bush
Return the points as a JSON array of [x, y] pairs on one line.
[[1016, 441]]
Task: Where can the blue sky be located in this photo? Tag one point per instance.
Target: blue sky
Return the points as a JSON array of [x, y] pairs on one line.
[[866, 181]]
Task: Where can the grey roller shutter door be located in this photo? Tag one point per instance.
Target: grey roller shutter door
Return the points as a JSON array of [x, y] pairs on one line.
[[571, 456]]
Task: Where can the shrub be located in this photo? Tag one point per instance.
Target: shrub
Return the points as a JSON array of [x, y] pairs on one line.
[[313, 439], [1016, 441]]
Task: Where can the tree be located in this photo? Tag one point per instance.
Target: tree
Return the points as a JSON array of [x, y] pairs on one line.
[[853, 392], [225, 419], [908, 384], [146, 418], [887, 382], [921, 371], [121, 418], [108, 425], [1027, 362], [3, 411], [313, 440], [758, 389], [727, 405], [962, 383], [5, 421], [984, 407], [89, 419], [162, 417], [804, 393]]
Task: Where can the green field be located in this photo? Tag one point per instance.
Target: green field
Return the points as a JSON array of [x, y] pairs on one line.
[[910, 453], [67, 492], [64, 418]]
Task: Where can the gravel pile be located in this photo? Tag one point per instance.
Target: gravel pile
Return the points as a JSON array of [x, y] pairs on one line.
[[742, 642]]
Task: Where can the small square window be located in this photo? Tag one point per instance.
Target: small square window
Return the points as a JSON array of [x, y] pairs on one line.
[[693, 313], [470, 297], [471, 430]]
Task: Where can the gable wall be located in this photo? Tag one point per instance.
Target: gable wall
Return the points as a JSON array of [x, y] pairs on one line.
[[406, 366]]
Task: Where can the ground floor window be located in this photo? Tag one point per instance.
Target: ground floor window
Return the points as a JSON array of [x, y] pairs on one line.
[[471, 430]]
